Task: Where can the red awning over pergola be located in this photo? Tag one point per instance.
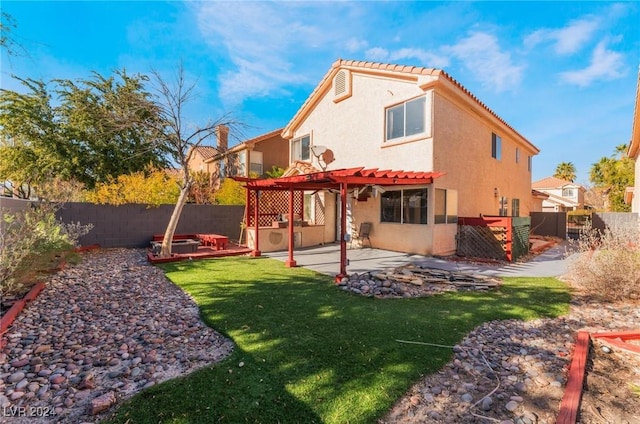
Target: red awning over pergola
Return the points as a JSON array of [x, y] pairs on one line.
[[339, 179]]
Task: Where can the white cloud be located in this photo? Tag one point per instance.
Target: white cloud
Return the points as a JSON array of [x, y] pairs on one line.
[[353, 45], [481, 54], [426, 58], [605, 64], [272, 44], [567, 40], [377, 54]]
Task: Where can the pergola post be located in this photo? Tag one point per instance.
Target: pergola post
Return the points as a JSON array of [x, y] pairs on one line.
[[290, 262], [256, 223], [343, 232]]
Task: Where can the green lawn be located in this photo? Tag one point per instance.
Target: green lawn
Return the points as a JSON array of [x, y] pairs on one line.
[[313, 353]]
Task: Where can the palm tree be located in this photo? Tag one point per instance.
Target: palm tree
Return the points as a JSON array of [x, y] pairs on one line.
[[566, 171]]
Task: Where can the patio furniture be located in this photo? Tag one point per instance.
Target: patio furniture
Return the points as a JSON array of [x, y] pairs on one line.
[[220, 242], [363, 233]]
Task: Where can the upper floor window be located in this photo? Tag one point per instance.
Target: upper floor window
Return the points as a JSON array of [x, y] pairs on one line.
[[529, 163], [517, 155], [404, 206], [406, 119], [567, 192], [300, 148], [255, 164], [496, 146]]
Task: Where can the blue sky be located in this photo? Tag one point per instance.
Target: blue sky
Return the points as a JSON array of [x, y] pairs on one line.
[[563, 74]]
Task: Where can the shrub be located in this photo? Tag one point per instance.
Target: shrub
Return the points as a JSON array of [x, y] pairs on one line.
[[607, 265], [30, 240]]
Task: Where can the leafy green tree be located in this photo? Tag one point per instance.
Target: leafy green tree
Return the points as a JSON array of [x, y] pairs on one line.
[[105, 122], [566, 171], [275, 172], [614, 174], [98, 129], [32, 148]]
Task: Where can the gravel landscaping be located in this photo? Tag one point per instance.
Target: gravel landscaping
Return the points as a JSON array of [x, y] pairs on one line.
[[514, 372], [100, 332], [113, 325]]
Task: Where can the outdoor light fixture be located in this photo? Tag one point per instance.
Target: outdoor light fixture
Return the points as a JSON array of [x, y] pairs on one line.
[[496, 192]]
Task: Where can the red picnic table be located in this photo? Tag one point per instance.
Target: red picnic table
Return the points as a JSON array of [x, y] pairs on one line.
[[220, 242]]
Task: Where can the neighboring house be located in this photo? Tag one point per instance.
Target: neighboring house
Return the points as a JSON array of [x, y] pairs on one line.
[[201, 155], [409, 118], [255, 156], [634, 150], [564, 195]]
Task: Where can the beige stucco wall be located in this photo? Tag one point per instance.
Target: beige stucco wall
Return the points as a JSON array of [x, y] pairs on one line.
[[275, 152], [354, 128], [457, 141], [276, 239], [197, 163], [635, 203], [462, 148]]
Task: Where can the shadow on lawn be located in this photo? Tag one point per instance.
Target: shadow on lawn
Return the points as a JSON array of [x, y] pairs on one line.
[[312, 353]]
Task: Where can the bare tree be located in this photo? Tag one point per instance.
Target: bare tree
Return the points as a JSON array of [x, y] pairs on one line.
[[181, 139]]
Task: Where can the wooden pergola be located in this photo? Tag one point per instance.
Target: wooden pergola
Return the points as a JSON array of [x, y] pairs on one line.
[[340, 180]]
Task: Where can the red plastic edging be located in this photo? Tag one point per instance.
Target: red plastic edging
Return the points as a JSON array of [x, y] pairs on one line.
[[85, 248], [573, 392]]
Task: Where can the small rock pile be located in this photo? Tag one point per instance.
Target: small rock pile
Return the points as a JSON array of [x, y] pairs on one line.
[[413, 281], [99, 332]]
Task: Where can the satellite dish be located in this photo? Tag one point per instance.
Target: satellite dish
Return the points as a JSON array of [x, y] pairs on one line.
[[327, 157], [324, 155], [318, 150]]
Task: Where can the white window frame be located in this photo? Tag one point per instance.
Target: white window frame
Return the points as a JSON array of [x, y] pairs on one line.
[[298, 148], [496, 146], [406, 197], [389, 118], [449, 207]]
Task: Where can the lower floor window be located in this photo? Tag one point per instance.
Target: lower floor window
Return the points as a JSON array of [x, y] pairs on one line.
[[446, 206], [404, 206], [504, 206], [515, 207]]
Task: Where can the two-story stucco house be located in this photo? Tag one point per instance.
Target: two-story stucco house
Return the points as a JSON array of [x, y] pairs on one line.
[[563, 195], [255, 156], [409, 118]]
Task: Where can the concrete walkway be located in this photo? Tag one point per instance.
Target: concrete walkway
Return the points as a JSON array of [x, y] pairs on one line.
[[326, 259]]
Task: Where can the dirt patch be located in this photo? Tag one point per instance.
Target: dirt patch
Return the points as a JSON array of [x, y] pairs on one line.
[[611, 392]]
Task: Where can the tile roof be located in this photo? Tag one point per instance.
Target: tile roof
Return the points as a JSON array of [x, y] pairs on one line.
[[207, 152], [243, 145], [390, 68], [551, 182]]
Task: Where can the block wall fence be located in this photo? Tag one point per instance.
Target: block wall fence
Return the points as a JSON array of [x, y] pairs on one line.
[[134, 225]]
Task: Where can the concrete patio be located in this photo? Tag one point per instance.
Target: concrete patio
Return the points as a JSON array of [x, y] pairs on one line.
[[325, 259]]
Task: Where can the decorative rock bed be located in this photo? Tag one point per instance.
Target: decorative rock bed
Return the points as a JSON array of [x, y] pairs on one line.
[[413, 281], [98, 333]]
